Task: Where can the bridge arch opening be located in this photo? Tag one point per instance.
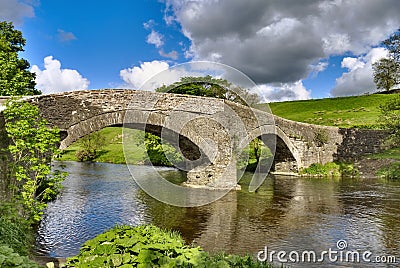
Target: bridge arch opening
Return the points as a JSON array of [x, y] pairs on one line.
[[284, 156], [193, 156]]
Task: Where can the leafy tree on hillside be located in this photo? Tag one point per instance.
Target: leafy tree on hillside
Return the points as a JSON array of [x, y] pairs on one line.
[[15, 78], [390, 118], [208, 86], [387, 70], [385, 74]]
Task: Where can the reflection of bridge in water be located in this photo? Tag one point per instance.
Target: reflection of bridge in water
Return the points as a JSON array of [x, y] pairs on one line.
[[208, 131]]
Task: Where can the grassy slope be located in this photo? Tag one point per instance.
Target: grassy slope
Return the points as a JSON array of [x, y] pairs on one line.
[[358, 111]]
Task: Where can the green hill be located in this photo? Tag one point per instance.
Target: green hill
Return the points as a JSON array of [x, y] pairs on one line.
[[357, 111]]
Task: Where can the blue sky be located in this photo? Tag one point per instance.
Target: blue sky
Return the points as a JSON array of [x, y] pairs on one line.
[[291, 49]]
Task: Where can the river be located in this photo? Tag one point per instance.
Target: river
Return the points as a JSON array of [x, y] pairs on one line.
[[288, 214]]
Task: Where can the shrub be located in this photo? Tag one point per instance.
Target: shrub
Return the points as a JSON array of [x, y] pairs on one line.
[[142, 246], [391, 172], [149, 246], [331, 169], [91, 145], [17, 235], [84, 155], [9, 258]]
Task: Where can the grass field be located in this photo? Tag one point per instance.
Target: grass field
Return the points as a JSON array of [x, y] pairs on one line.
[[357, 111], [113, 151]]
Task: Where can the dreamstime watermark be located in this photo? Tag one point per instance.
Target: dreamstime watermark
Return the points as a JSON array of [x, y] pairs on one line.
[[219, 129], [340, 254]]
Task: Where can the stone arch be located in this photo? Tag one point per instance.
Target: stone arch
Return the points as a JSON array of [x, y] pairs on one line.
[[286, 156], [184, 144]]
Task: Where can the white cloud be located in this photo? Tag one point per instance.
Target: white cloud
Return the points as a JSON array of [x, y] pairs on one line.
[[64, 36], [283, 92], [155, 38], [172, 54], [319, 67], [16, 10], [135, 77], [53, 79], [149, 24], [359, 78]]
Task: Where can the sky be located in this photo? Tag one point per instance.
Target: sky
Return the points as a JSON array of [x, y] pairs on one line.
[[292, 49]]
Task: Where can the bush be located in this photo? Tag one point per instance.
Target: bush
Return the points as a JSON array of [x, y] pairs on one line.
[[331, 169], [9, 258], [161, 153], [391, 172], [17, 235], [149, 246], [142, 246], [91, 145], [84, 155]]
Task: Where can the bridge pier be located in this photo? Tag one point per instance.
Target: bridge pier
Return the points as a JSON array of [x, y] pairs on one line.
[[213, 176]]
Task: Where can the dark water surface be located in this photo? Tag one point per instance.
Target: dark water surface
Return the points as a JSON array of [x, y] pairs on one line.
[[286, 214]]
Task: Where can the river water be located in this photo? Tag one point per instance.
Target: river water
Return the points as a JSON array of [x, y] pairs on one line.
[[287, 214]]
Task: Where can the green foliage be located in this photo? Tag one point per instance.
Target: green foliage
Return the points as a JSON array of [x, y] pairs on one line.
[[387, 70], [15, 77], [17, 234], [391, 172], [385, 73], [161, 153], [142, 246], [33, 144], [91, 145], [9, 259], [208, 86], [331, 169], [390, 119], [149, 246], [252, 154]]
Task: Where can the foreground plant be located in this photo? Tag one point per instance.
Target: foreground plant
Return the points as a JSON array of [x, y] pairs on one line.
[[143, 246], [32, 146], [149, 246]]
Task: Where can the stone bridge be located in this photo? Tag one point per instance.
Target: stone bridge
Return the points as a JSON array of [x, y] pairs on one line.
[[209, 132]]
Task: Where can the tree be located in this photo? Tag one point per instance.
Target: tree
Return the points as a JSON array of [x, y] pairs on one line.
[[208, 86], [390, 119], [387, 70], [161, 154], [385, 73], [91, 145], [15, 77], [32, 146]]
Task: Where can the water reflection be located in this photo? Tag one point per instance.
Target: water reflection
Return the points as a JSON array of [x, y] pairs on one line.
[[286, 213]]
